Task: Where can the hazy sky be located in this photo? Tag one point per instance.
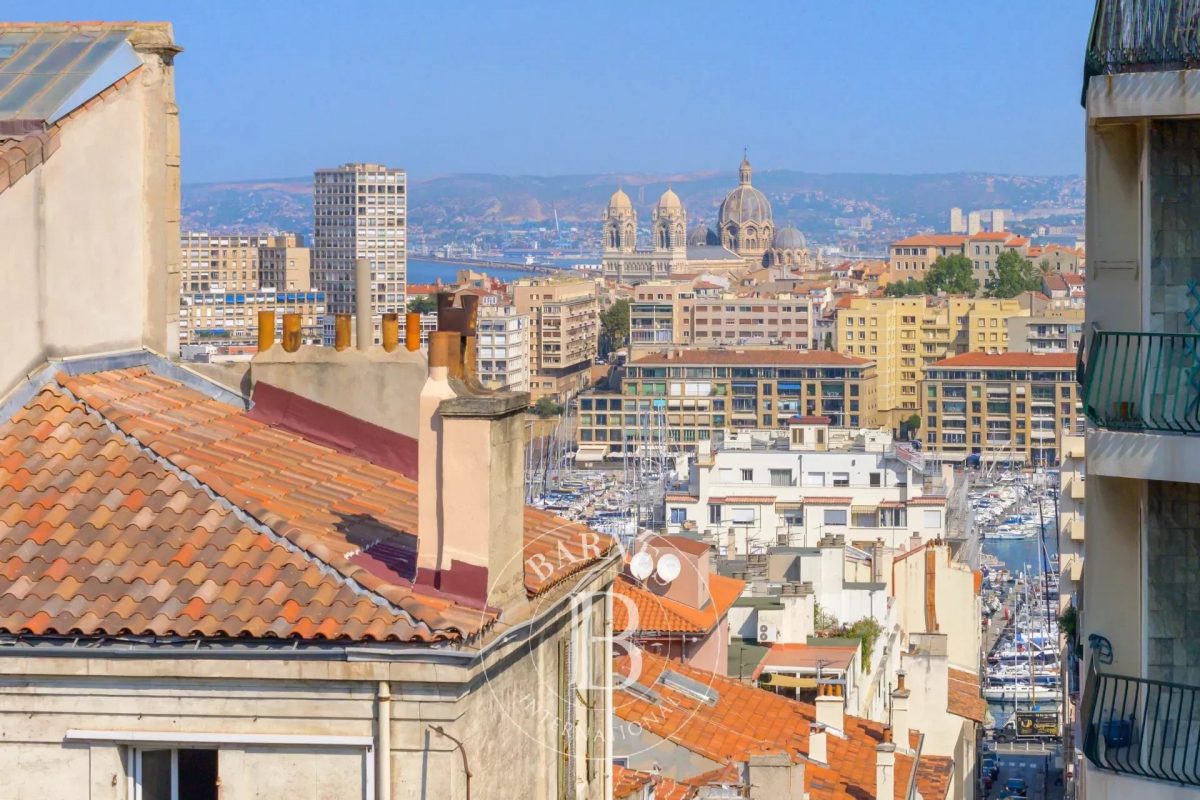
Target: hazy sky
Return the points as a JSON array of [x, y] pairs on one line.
[[273, 89]]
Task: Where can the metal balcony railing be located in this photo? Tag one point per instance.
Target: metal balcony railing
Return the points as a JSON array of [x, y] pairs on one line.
[[1142, 35], [1142, 381], [1143, 727]]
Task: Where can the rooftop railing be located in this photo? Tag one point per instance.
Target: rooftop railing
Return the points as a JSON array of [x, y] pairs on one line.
[[1142, 381], [1143, 727], [1142, 35]]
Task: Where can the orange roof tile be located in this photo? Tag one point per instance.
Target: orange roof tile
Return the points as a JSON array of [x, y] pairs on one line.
[[342, 514], [1001, 360], [745, 721], [932, 240], [964, 698], [661, 615], [96, 537]]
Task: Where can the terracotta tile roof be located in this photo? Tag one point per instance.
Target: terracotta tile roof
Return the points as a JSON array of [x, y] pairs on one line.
[[927, 500], [742, 498], [1054, 283], [745, 721], [932, 240], [353, 519], [630, 783], [1002, 360], [794, 656], [96, 537], [771, 356], [963, 696], [661, 615], [992, 236], [678, 497]]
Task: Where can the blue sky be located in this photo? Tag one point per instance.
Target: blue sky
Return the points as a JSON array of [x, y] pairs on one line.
[[273, 89]]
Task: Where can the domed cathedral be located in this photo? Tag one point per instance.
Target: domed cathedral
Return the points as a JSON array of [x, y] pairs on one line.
[[789, 249], [620, 224], [745, 223]]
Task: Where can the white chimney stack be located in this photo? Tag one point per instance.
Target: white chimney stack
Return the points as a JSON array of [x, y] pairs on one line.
[[885, 768], [831, 707], [818, 743], [900, 697]]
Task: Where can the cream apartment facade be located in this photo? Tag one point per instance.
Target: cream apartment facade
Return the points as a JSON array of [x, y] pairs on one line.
[[564, 328], [903, 335], [912, 257], [1137, 617], [1006, 407], [503, 348]]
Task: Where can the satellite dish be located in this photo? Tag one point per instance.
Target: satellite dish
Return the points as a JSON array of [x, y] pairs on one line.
[[641, 565], [668, 568]]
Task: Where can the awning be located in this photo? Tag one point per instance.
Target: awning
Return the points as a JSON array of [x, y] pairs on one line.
[[792, 681], [591, 452], [862, 509]]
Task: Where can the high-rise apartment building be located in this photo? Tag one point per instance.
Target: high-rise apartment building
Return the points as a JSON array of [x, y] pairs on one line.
[[957, 225], [226, 279], [974, 225], [360, 211], [1007, 407], [903, 335], [564, 319], [502, 348], [1138, 610]]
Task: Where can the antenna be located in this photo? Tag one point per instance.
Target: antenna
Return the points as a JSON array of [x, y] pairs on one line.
[[668, 568], [641, 565]]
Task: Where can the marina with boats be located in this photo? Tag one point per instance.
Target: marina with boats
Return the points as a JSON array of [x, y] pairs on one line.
[[1021, 660]]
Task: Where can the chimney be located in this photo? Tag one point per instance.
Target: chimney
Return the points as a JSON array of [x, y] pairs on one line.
[[471, 498], [362, 303], [818, 743], [775, 776], [900, 697], [885, 768], [831, 707]]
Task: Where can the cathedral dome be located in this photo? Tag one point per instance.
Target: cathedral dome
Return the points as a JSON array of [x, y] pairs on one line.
[[789, 238], [745, 205], [702, 236], [669, 201], [620, 201]]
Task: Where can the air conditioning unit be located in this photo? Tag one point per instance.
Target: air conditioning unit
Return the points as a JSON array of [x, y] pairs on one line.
[[767, 633]]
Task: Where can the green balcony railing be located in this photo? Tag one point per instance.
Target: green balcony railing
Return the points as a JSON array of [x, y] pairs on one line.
[[1142, 381]]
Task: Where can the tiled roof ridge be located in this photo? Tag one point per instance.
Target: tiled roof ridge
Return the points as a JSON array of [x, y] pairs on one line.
[[252, 521]]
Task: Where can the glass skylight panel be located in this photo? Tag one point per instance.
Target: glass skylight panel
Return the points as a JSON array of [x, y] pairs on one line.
[[39, 71]]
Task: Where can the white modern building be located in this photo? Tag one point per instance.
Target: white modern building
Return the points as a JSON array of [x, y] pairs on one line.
[[1139, 614], [503, 348], [809, 482], [360, 211]]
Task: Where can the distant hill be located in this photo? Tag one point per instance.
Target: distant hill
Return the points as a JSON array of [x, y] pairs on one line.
[[809, 200]]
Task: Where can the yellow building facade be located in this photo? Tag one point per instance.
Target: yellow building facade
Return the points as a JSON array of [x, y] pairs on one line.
[[904, 335]]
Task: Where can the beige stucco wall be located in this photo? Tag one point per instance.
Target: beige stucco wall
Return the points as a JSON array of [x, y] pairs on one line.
[[89, 239]]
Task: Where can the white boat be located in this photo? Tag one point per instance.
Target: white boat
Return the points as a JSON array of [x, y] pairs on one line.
[[1014, 694]]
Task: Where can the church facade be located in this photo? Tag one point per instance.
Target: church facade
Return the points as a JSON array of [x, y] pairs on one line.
[[746, 237]]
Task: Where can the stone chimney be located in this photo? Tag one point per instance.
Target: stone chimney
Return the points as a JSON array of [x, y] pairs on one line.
[[831, 706], [900, 697], [775, 776], [885, 768], [471, 500], [818, 743]]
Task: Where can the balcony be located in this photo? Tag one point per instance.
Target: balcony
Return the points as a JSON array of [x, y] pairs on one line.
[[1142, 36], [1143, 382], [1142, 727]]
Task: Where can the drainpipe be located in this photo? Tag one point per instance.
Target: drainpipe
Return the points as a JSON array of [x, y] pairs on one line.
[[383, 753]]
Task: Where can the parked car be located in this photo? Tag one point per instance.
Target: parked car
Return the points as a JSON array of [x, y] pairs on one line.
[[1016, 787]]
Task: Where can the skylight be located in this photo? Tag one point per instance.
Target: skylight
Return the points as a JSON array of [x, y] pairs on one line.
[[44, 74]]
